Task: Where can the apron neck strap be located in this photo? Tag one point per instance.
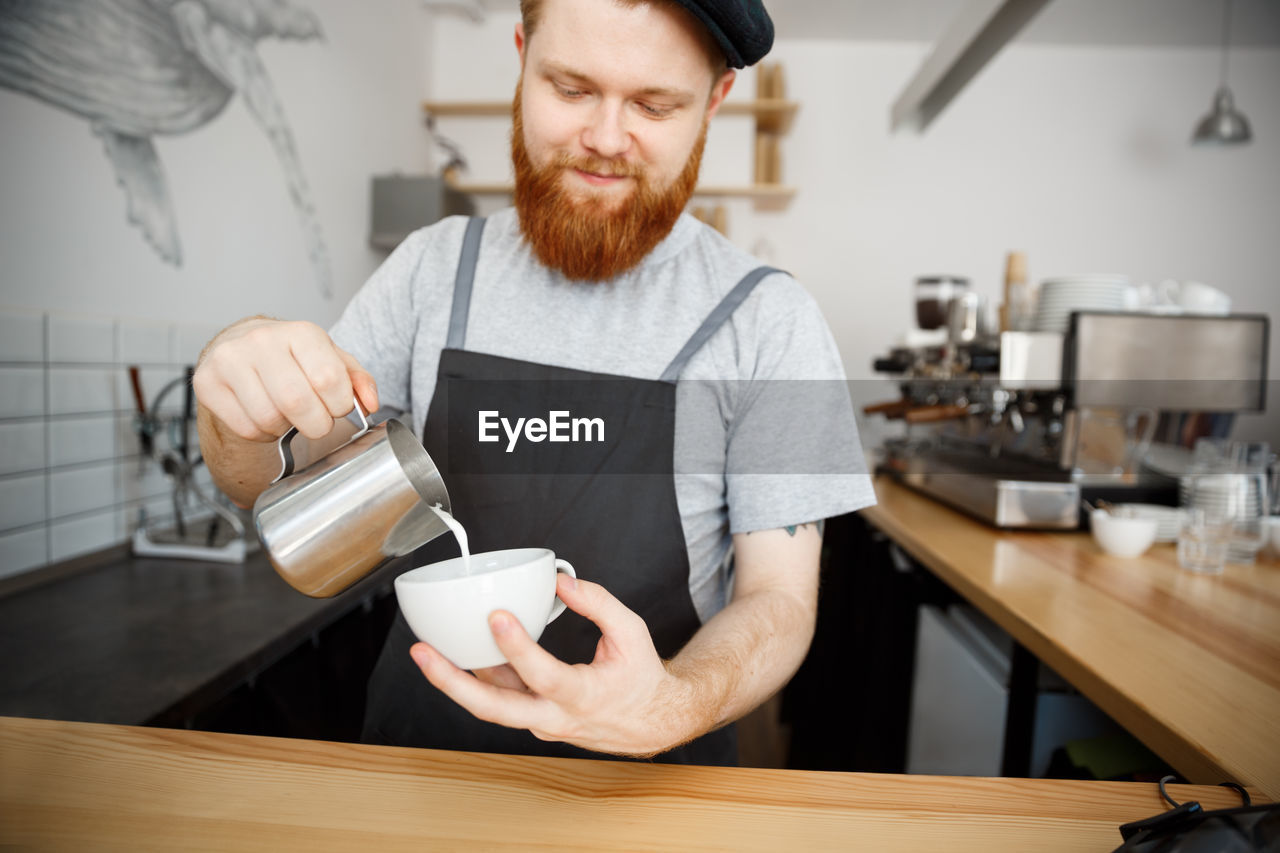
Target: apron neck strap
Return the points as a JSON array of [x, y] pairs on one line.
[[714, 321], [463, 281]]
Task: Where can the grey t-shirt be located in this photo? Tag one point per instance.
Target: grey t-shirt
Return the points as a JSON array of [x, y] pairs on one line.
[[741, 463]]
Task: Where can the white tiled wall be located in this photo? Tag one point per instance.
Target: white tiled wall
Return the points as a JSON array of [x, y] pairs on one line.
[[72, 473], [22, 390]]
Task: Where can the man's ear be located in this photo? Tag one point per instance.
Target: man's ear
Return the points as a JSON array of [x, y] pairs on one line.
[[520, 41], [720, 90]]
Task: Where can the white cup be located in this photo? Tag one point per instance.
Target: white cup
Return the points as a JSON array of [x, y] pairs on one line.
[[447, 604], [1195, 297]]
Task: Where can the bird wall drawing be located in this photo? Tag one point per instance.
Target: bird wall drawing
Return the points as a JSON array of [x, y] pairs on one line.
[[138, 69]]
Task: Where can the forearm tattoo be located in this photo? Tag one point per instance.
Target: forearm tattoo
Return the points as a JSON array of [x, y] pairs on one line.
[[792, 528]]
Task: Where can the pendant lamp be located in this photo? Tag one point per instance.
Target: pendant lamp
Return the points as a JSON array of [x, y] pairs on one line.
[[1224, 125]]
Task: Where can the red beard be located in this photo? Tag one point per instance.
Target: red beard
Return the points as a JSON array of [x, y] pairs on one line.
[[582, 237]]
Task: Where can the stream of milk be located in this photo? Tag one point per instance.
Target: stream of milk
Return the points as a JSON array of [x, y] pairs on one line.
[[459, 533]]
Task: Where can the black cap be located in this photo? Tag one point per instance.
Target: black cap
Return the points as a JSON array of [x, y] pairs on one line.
[[742, 28]]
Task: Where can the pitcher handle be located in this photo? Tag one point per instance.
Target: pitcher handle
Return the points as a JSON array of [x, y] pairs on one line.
[[358, 416]]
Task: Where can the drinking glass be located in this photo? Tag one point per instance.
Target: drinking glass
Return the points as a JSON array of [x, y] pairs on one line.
[[1229, 484], [1249, 510], [1253, 504], [1203, 540]]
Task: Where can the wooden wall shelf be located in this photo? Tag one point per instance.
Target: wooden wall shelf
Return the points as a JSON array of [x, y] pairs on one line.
[[772, 114], [757, 191], [466, 108]]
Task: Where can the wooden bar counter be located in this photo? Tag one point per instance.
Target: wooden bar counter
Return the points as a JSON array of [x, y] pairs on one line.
[[93, 786], [1189, 664]]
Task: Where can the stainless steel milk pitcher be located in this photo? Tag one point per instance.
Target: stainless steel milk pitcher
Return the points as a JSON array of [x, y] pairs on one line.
[[349, 512]]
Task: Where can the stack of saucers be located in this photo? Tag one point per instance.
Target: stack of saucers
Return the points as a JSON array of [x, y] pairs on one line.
[[1060, 296], [1221, 493], [1168, 518]]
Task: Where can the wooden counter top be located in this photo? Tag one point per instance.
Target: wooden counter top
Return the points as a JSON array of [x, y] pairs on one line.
[[1187, 663], [82, 786]]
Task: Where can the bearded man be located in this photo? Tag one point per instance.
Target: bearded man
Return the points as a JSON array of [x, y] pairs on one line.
[[696, 543]]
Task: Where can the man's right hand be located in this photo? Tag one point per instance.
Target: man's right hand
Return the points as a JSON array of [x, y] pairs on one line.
[[257, 378], [261, 376]]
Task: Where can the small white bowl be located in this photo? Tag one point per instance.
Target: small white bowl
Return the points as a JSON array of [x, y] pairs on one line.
[[1122, 537]]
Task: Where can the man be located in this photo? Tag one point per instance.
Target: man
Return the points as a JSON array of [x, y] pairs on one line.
[[698, 577]]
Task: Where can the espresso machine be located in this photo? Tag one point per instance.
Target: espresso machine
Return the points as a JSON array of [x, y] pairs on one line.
[[1017, 428]]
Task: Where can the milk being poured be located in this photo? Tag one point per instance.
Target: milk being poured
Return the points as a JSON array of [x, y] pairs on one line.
[[458, 532]]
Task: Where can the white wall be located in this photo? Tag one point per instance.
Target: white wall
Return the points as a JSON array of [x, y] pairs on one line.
[[1078, 156], [352, 102]]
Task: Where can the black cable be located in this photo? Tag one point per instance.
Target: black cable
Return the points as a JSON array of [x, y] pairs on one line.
[[1236, 786], [1165, 793]]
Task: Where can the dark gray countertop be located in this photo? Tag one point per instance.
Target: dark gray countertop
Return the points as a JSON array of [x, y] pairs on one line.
[[136, 640]]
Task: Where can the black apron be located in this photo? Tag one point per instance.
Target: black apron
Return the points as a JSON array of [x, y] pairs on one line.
[[609, 510]]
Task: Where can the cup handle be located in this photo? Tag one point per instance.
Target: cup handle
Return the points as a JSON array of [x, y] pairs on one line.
[[557, 607], [357, 416]]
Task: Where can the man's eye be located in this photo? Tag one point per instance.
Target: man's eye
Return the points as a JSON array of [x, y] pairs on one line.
[[568, 92], [656, 112]]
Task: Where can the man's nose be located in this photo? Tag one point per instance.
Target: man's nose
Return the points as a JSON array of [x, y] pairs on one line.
[[606, 133]]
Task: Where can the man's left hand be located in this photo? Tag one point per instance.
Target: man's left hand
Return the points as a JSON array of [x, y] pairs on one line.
[[624, 702]]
